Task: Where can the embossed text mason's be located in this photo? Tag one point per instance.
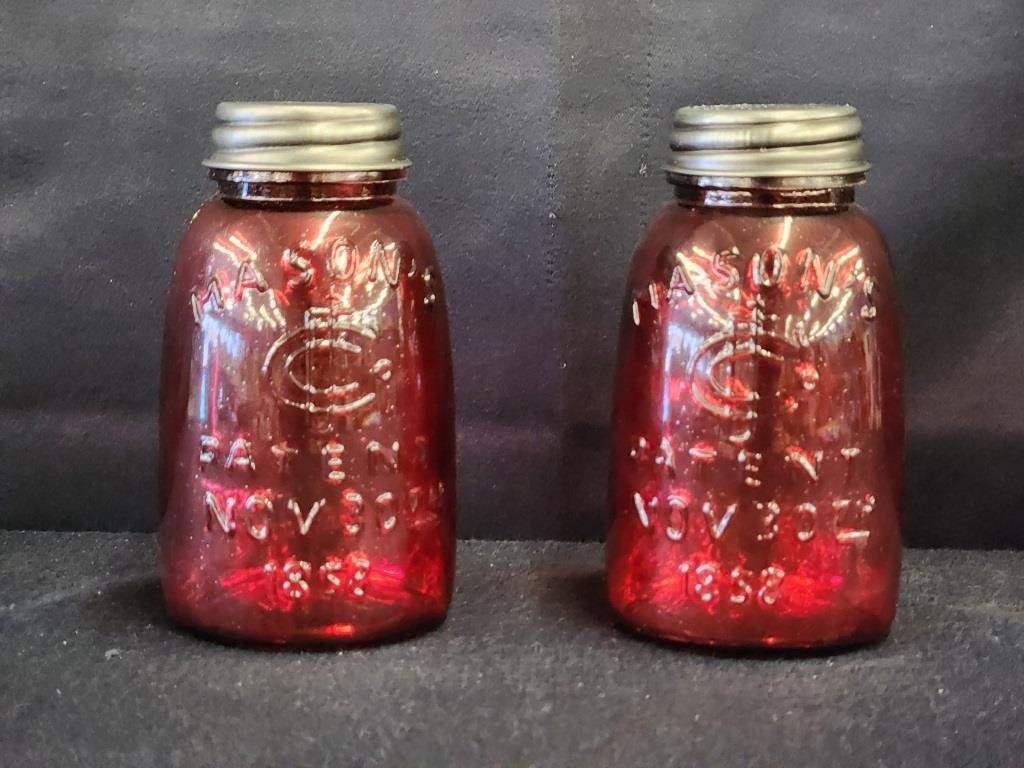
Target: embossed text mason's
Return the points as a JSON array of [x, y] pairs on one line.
[[307, 448], [758, 427]]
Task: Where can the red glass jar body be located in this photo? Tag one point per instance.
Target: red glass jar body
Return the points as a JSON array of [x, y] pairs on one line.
[[307, 446], [758, 428]]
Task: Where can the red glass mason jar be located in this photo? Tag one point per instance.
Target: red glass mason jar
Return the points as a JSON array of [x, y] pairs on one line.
[[758, 428], [307, 446]]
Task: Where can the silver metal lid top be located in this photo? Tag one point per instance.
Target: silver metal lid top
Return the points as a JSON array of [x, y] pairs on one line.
[[307, 136], [758, 141]]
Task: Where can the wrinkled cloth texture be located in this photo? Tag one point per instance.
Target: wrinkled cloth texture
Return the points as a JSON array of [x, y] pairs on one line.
[[528, 670]]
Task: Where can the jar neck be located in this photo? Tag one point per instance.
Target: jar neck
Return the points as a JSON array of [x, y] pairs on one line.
[[827, 194], [357, 189]]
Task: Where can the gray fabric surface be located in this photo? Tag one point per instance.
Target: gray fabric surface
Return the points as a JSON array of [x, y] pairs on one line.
[[536, 131], [528, 670]]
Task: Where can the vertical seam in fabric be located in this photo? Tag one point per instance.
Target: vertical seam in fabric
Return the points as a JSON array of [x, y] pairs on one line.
[[645, 116], [550, 179]]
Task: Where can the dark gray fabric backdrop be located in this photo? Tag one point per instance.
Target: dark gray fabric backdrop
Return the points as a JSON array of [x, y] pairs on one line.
[[537, 130]]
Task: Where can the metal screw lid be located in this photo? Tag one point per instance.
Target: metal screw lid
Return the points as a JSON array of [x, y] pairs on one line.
[[307, 136], [743, 143]]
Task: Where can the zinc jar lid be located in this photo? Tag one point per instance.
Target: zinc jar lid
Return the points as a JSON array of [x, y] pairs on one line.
[[320, 137], [745, 143]]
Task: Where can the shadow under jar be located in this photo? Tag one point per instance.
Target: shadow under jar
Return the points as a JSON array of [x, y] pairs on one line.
[[758, 419], [306, 436]]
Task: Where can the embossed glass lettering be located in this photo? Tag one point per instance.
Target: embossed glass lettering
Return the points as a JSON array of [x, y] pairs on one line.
[[307, 420], [758, 424]]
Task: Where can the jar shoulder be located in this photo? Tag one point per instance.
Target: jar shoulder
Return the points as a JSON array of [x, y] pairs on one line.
[[216, 217], [302, 253], [678, 228]]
